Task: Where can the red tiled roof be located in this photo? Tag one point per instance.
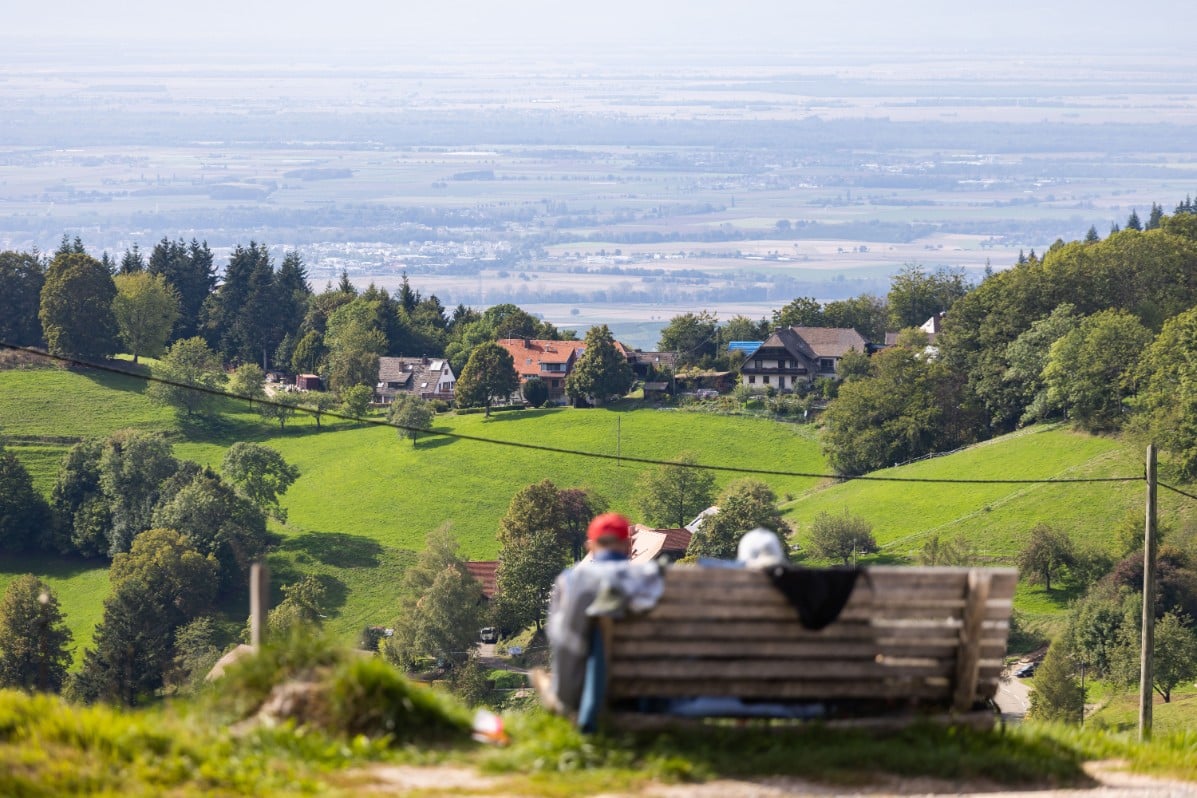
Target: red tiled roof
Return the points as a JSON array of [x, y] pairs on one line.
[[676, 539], [528, 354], [485, 571]]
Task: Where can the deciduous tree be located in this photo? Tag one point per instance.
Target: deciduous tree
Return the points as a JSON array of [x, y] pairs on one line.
[[488, 375], [1091, 369], [190, 371], [841, 537], [76, 307], [531, 553], [1057, 695], [260, 473], [146, 309], [672, 495], [161, 583], [412, 413], [440, 605], [1046, 554], [744, 505], [602, 372]]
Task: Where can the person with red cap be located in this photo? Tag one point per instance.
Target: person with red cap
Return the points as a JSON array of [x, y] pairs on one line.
[[579, 678]]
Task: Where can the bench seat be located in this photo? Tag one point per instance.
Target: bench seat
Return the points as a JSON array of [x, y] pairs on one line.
[[909, 640]]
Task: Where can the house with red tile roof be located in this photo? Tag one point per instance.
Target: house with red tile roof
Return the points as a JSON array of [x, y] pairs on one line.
[[551, 361], [485, 571]]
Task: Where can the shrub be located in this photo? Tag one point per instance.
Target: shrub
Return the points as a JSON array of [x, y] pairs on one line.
[[368, 696]]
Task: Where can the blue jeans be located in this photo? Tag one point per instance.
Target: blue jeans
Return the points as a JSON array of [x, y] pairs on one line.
[[594, 688]]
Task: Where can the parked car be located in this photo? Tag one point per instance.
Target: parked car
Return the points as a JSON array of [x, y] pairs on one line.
[[1026, 670], [706, 393], [488, 634]]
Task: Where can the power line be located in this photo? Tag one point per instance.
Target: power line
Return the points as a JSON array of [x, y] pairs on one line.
[[554, 449], [1166, 486]]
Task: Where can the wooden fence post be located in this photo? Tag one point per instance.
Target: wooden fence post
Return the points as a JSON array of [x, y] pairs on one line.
[[259, 602]]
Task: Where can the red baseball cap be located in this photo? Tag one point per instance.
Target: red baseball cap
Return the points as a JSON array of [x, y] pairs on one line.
[[609, 525]]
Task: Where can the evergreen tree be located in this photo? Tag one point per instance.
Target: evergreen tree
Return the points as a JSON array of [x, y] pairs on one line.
[[602, 372], [1156, 217], [1057, 695], [189, 270], [1132, 221], [76, 307], [132, 261], [344, 286], [33, 637], [22, 275], [24, 515], [159, 585], [1092, 237]]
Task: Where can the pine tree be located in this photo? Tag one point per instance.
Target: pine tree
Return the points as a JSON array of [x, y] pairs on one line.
[[1156, 218], [190, 271], [1092, 237], [1057, 695], [1132, 221], [22, 275], [33, 637], [344, 286], [132, 262]]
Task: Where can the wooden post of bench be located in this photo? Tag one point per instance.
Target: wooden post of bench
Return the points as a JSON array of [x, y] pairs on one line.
[[968, 660]]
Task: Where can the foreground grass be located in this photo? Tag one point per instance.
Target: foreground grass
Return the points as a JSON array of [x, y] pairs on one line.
[[50, 748]]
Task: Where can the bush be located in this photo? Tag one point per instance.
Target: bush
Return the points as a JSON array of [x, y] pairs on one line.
[[368, 696]]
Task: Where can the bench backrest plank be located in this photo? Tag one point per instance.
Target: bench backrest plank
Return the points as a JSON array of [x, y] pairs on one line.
[[922, 635]]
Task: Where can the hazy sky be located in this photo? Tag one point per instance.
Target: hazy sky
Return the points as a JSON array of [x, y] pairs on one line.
[[613, 26]]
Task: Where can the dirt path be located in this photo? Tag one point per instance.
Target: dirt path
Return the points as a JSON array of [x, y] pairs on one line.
[[1109, 782]]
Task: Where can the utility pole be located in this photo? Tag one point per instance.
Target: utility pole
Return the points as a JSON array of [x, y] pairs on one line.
[[1147, 653], [618, 440]]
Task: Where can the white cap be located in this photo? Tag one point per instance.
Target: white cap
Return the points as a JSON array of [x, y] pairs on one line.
[[760, 548]]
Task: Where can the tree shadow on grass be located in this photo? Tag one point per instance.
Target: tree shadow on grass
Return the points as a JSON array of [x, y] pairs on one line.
[[131, 378], [432, 441], [62, 567], [336, 549]]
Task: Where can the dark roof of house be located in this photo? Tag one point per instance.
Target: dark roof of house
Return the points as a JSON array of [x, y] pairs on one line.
[[412, 373], [655, 386], [665, 359], [831, 341], [485, 572]]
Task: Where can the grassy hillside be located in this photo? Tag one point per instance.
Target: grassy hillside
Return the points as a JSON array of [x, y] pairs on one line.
[[997, 519], [367, 498]]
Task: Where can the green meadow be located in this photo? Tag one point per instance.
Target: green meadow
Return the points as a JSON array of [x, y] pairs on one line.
[[366, 497]]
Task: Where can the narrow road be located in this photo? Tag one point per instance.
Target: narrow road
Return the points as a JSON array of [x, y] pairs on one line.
[[1013, 698]]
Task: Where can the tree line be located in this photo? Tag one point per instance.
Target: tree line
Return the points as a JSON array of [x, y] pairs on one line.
[[180, 539]]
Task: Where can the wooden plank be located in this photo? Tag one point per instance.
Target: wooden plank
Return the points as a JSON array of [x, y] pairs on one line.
[[771, 669], [896, 689], [649, 629], [982, 720], [880, 581], [792, 649], [968, 664], [780, 612]]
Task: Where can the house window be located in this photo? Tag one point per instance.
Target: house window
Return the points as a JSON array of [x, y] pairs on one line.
[[826, 364], [758, 364], [751, 380], [766, 379], [781, 381]]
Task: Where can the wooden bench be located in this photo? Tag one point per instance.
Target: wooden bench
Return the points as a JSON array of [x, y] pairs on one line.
[[909, 643]]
